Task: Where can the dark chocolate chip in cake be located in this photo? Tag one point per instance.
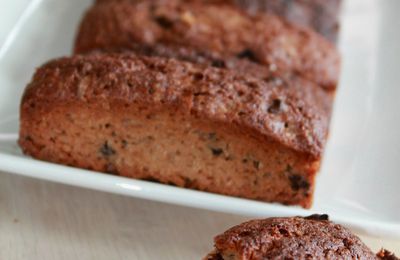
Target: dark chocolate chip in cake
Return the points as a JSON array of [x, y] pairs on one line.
[[164, 22], [321, 217], [218, 63], [247, 54], [298, 182], [275, 107], [216, 151], [107, 150]]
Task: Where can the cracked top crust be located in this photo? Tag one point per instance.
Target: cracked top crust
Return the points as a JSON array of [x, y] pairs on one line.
[[289, 238], [288, 110]]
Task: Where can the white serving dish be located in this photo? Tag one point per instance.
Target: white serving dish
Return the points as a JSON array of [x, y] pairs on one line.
[[358, 184]]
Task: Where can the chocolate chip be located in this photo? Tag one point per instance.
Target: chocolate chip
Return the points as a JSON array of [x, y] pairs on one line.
[[252, 85], [245, 233], [188, 183], [218, 63], [172, 183], [319, 217], [198, 76], [124, 143], [256, 164], [229, 158], [347, 243], [196, 94], [247, 54], [298, 182], [216, 256], [151, 179], [240, 93], [283, 232], [275, 107], [164, 22], [255, 182], [107, 150], [217, 151]]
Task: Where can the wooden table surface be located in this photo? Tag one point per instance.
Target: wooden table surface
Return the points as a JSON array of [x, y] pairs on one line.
[[43, 220]]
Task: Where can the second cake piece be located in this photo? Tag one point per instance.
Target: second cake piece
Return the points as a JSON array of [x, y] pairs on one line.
[[313, 237], [214, 34]]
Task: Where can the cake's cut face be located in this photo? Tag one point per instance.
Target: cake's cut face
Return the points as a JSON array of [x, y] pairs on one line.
[[314, 237], [217, 35], [178, 123]]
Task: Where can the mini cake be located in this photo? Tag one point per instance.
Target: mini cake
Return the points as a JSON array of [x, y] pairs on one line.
[[313, 237], [179, 123], [217, 35]]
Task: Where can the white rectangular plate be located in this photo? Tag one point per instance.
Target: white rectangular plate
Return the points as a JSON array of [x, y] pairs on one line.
[[360, 176]]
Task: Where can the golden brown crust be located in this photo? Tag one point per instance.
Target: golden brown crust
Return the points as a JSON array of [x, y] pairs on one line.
[[289, 110], [289, 238], [210, 34]]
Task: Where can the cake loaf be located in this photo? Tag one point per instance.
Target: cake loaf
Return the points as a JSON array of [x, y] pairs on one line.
[[313, 237], [178, 123], [216, 35]]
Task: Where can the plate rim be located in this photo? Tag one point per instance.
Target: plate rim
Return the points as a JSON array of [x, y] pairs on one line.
[[141, 189], [26, 166]]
